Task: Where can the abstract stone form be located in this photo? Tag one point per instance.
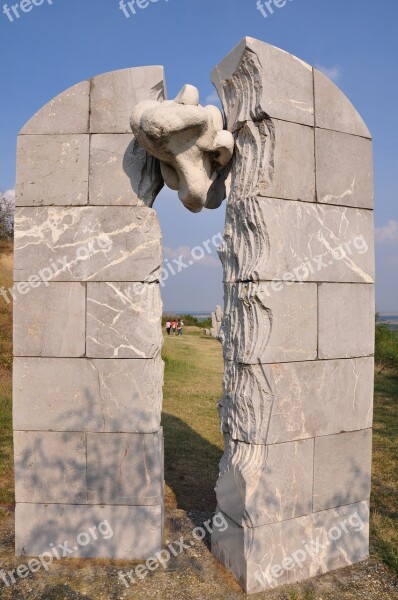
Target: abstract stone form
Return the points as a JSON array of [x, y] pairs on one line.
[[216, 320], [191, 144], [297, 327]]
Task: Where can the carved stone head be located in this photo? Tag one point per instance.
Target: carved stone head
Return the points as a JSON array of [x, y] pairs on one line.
[[191, 144]]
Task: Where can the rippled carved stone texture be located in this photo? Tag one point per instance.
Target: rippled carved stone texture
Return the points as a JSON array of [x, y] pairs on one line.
[[191, 145], [298, 325]]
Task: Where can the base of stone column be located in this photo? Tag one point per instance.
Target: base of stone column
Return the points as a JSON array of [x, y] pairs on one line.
[[113, 532], [287, 552]]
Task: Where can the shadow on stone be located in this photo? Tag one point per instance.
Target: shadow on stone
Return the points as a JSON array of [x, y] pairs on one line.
[[150, 182]]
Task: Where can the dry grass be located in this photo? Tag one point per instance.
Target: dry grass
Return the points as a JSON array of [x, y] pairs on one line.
[[384, 523], [6, 456], [5, 308]]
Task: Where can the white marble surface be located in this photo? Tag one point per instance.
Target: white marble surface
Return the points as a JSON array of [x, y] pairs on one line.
[[96, 243]]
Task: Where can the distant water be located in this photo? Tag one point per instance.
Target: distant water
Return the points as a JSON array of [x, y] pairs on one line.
[[392, 320]]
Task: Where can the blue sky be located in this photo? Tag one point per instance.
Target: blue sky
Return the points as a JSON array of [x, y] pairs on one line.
[[54, 46]]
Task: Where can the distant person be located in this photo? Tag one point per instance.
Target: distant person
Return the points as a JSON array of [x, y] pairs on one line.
[[173, 327], [180, 327], [168, 327]]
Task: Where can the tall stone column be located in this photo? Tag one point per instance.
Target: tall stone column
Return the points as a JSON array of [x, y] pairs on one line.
[[87, 325], [298, 327]]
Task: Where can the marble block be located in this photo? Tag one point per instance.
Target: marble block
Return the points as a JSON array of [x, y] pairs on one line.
[[342, 469], [274, 158], [123, 322], [98, 395], [125, 468], [263, 484], [319, 398], [287, 552], [113, 532], [333, 110], [93, 243], [120, 171], [257, 78], [346, 320], [321, 243], [114, 95], [50, 467], [344, 169], [269, 322], [292, 175], [67, 113], [50, 320], [271, 404], [52, 170]]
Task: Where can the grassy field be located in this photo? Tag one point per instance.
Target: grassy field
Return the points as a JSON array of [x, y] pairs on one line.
[[384, 501], [193, 442]]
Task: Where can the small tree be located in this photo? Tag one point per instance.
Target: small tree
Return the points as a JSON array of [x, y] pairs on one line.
[[6, 216]]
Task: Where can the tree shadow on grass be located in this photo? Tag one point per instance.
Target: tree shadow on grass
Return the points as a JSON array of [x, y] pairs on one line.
[[56, 592], [191, 465]]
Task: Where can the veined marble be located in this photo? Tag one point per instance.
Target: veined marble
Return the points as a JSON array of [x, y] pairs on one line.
[[94, 243]]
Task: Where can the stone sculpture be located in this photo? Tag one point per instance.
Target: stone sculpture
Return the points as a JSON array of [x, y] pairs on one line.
[[216, 319], [298, 326], [297, 329], [87, 329], [191, 144]]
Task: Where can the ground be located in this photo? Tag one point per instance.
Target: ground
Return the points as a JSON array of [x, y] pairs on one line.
[[193, 447]]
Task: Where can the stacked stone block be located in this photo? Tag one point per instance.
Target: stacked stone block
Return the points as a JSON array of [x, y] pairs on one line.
[[298, 327], [87, 324]]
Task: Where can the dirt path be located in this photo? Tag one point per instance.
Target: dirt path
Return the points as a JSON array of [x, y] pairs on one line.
[[193, 575]]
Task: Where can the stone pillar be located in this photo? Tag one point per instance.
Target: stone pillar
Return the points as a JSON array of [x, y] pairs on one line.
[[298, 327], [87, 325]]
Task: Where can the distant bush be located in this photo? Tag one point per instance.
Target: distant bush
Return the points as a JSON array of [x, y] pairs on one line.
[[6, 217], [386, 353], [206, 324]]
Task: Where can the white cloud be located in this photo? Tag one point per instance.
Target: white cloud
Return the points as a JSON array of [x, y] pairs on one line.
[[185, 252], [334, 73], [213, 99], [388, 233]]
